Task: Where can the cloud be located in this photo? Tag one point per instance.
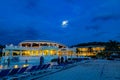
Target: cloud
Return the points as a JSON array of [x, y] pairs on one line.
[[117, 36], [31, 32], [32, 3], [3, 31], [94, 27], [99, 34], [16, 35], [106, 18]]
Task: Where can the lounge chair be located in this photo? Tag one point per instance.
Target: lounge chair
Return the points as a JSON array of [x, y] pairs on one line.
[[4, 73], [38, 67], [33, 68], [41, 69], [13, 71], [19, 74], [43, 66], [62, 65], [22, 70]]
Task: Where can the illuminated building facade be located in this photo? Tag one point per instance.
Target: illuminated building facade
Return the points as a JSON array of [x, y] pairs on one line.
[[32, 50], [35, 48], [48, 48], [89, 50]]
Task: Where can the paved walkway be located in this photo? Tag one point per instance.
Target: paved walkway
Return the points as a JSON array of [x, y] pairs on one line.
[[94, 70]]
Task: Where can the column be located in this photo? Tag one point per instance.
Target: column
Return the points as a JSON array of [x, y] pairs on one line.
[[20, 52], [10, 55], [31, 45]]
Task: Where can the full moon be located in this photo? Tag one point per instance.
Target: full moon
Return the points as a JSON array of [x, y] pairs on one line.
[[64, 23]]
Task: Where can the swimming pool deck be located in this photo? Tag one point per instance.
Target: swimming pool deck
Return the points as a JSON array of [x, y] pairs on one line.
[[84, 70], [93, 70]]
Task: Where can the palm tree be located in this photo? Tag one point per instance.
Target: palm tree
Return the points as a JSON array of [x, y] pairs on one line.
[[111, 47], [90, 49], [77, 51], [1, 47]]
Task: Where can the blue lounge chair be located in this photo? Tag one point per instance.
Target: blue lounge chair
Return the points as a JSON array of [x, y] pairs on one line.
[[14, 71], [4, 72], [11, 73], [60, 66], [47, 66], [45, 69], [39, 67], [22, 70], [43, 66], [19, 74], [33, 68]]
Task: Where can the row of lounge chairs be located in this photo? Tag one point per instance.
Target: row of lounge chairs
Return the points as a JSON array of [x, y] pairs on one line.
[[22, 72], [69, 63]]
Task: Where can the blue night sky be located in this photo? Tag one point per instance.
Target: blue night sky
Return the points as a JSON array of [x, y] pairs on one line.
[[83, 20]]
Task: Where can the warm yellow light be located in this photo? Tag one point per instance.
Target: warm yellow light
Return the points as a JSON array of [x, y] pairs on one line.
[[52, 52], [36, 53], [46, 52], [25, 65], [59, 53], [40, 52], [82, 49], [69, 53], [1, 66], [15, 66]]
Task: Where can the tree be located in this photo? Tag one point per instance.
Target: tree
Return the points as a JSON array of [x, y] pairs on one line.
[[111, 47], [77, 51], [1, 47], [90, 50], [100, 55]]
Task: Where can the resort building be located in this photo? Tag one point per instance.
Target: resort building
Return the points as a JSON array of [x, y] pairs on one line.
[[89, 50], [35, 48], [32, 50]]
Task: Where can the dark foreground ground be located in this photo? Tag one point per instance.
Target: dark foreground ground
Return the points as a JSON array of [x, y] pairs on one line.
[[93, 70]]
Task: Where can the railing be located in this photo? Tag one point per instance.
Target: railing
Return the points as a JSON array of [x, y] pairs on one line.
[[21, 60], [26, 48]]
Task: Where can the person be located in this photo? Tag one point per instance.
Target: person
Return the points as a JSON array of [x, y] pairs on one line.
[[26, 61], [0, 60], [66, 60], [41, 60], [58, 60], [8, 61], [62, 59]]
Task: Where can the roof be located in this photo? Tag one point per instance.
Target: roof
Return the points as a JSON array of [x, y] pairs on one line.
[[42, 41]]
